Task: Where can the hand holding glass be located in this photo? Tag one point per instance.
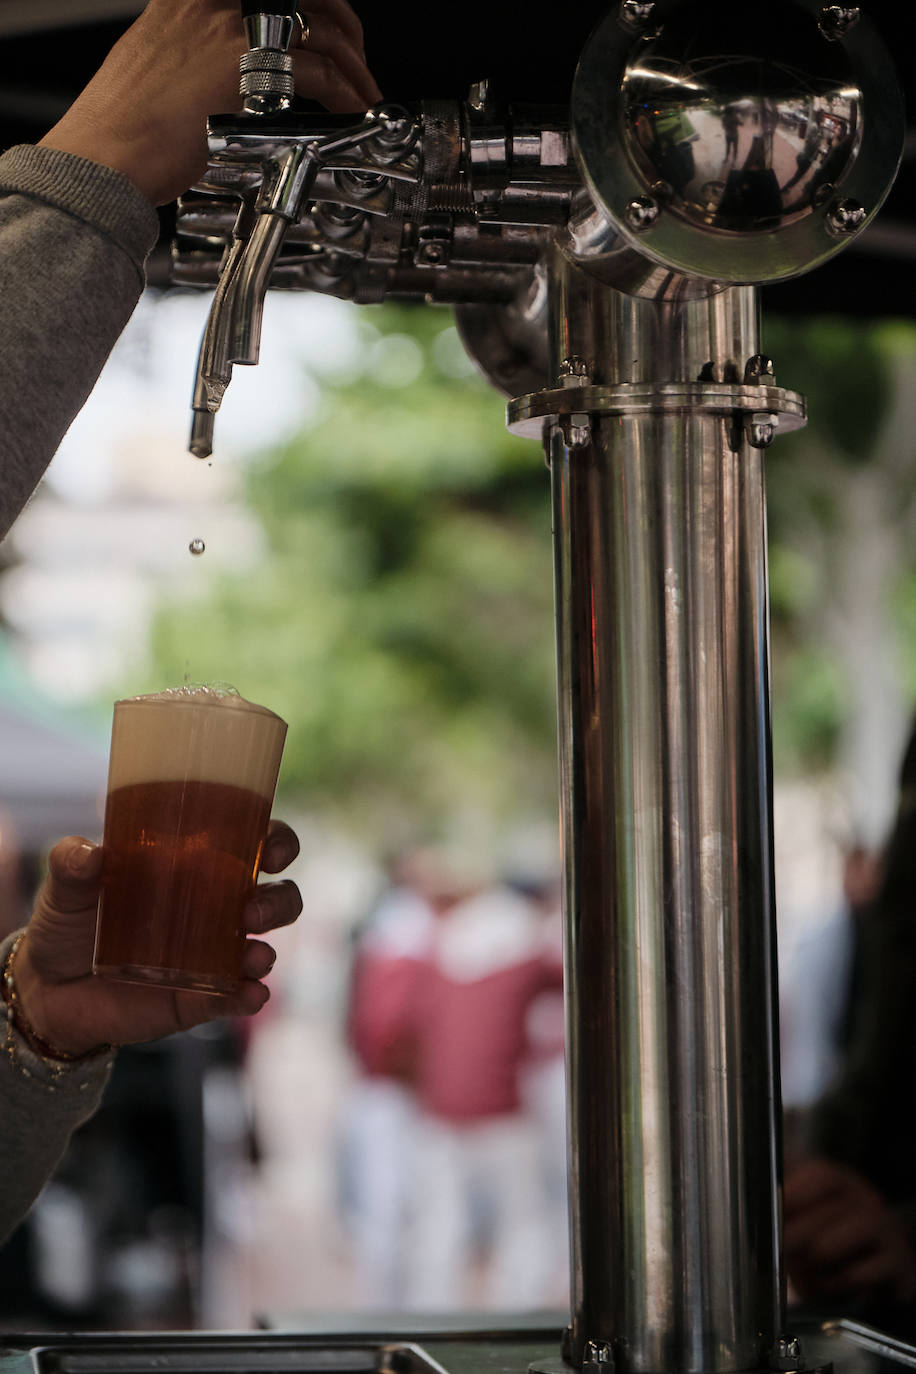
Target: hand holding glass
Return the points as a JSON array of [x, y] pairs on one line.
[[191, 782]]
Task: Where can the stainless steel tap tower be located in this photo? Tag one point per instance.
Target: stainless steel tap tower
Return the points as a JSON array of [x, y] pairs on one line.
[[603, 261]]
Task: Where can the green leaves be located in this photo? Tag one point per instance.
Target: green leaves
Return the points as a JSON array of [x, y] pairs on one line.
[[844, 368], [402, 621]]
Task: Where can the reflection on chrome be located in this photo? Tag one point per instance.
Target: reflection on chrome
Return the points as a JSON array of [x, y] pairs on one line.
[[723, 147]]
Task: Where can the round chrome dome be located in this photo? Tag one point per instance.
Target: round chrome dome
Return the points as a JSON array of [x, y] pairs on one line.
[[737, 143]]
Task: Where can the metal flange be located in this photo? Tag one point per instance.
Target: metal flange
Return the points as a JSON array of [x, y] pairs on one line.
[[532, 415]]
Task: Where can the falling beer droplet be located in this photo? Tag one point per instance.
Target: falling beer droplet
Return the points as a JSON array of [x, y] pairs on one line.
[[196, 547]]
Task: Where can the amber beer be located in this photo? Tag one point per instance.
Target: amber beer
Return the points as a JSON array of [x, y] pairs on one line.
[[191, 782]]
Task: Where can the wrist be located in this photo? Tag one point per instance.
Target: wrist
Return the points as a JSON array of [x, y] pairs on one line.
[[106, 151], [152, 163], [22, 994]]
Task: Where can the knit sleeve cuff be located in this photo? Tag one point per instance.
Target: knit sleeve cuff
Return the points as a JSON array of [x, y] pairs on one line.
[[72, 1078], [102, 198]]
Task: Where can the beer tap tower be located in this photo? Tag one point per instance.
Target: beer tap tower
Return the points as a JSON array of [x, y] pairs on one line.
[[603, 260]]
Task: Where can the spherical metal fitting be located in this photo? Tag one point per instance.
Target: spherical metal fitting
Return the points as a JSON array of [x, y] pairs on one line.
[[642, 212], [835, 21], [745, 125], [846, 217]]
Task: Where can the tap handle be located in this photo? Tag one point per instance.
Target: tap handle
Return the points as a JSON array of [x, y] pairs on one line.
[[266, 70], [269, 23]]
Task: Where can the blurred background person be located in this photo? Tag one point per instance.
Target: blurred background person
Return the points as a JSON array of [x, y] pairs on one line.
[[389, 948], [479, 1226], [543, 1080], [850, 1192], [820, 984]]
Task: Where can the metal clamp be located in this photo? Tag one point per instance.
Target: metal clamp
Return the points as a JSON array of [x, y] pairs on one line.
[[531, 416]]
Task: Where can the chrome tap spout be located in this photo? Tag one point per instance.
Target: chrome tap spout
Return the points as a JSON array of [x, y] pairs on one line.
[[289, 166], [214, 368]]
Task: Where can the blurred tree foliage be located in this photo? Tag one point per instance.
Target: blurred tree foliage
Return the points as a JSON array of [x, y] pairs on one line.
[[402, 621], [842, 515]]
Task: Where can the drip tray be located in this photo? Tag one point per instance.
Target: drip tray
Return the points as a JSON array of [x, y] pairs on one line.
[[234, 1354]]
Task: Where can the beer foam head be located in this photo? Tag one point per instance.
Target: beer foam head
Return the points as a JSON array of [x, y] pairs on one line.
[[209, 734]]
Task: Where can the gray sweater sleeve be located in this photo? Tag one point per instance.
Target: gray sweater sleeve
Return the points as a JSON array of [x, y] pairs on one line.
[[74, 236], [40, 1107]]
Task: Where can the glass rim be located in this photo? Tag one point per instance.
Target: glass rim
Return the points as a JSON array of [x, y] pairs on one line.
[[202, 697]]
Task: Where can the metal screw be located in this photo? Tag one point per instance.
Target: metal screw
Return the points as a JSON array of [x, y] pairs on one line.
[[846, 217], [835, 21], [786, 1354], [641, 213], [662, 191], [636, 15], [478, 95], [395, 122], [757, 367], [574, 371], [760, 431], [361, 184], [430, 254]]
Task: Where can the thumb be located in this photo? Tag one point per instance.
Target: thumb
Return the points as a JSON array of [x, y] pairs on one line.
[[74, 872], [62, 927]]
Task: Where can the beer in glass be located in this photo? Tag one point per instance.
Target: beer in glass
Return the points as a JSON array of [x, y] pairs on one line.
[[190, 787]]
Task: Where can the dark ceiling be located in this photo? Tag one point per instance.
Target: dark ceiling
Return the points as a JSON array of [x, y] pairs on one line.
[[528, 51]]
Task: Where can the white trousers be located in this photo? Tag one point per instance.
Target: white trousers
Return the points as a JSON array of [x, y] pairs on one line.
[[484, 1176], [381, 1129]]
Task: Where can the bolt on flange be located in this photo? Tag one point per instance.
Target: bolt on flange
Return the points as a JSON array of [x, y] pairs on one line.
[[760, 428], [574, 371], [577, 429], [757, 367], [636, 15], [835, 21], [598, 1358], [846, 217], [786, 1354], [641, 213]]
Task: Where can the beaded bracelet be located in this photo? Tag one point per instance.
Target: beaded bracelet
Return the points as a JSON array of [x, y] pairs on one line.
[[16, 1018]]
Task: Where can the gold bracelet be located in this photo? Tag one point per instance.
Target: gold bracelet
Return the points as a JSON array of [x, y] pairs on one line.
[[16, 1018]]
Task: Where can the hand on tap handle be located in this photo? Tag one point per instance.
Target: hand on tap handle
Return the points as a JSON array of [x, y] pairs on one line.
[[144, 113]]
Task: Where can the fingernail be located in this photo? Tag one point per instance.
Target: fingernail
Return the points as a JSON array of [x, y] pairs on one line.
[[80, 857]]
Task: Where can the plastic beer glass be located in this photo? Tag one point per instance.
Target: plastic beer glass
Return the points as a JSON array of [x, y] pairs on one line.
[[191, 782]]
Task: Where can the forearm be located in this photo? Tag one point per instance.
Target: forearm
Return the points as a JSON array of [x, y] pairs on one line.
[[73, 240], [40, 1106]]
